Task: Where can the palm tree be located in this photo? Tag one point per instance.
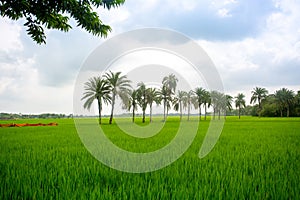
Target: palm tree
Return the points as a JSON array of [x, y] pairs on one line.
[[132, 103], [218, 101], [279, 101], [180, 101], [258, 94], [120, 87], [284, 97], [142, 98], [289, 100], [297, 98], [96, 89], [240, 102], [206, 102], [170, 82], [166, 97], [229, 100], [152, 96], [190, 100], [200, 92], [168, 89]]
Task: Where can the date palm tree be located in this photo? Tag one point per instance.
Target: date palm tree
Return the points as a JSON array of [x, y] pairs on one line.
[[142, 98], [120, 87], [240, 102], [168, 89], [284, 97], [153, 95], [132, 103], [190, 98], [180, 101], [166, 97], [258, 94], [98, 89], [206, 102], [229, 100], [218, 103], [199, 92], [170, 82]]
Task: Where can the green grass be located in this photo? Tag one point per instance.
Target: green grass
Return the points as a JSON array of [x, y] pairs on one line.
[[255, 158]]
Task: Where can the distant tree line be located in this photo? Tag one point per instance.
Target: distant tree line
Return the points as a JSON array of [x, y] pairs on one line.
[[112, 85], [9, 116]]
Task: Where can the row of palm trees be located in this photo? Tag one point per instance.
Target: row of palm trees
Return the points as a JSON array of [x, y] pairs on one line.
[[105, 89], [112, 85]]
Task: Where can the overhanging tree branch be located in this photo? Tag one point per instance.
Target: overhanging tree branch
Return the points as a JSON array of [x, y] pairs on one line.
[[54, 14]]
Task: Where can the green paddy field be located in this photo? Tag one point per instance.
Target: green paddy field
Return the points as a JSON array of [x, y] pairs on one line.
[[255, 158]]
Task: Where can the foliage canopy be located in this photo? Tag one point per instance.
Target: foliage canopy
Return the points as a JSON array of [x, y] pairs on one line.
[[52, 14]]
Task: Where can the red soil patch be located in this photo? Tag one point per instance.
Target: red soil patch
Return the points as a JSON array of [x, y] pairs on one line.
[[26, 124]]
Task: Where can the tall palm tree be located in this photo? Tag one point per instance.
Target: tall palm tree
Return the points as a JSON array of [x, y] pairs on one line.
[[132, 103], [142, 98], [199, 92], [120, 87], [218, 101], [180, 101], [166, 97], [168, 89], [170, 82], [258, 94], [284, 97], [240, 102], [190, 100], [229, 100], [153, 95], [278, 95], [206, 102], [96, 89]]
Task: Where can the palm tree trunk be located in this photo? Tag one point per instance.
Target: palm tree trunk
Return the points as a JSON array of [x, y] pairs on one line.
[[143, 116], [167, 113], [288, 111], [214, 115], [199, 112], [204, 111], [99, 109], [112, 108], [239, 112], [133, 113], [180, 108], [150, 112], [281, 113], [165, 105], [219, 116], [189, 109]]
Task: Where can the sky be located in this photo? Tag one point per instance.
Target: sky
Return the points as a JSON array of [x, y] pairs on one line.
[[252, 43]]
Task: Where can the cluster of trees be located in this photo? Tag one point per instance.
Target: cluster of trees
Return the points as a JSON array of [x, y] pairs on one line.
[[5, 116], [105, 89], [283, 103]]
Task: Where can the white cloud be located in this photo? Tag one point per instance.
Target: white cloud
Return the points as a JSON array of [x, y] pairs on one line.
[[226, 2], [223, 12], [270, 59], [21, 91], [9, 36], [182, 6]]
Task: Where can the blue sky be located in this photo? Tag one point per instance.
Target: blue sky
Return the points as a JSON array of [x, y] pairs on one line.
[[252, 43]]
